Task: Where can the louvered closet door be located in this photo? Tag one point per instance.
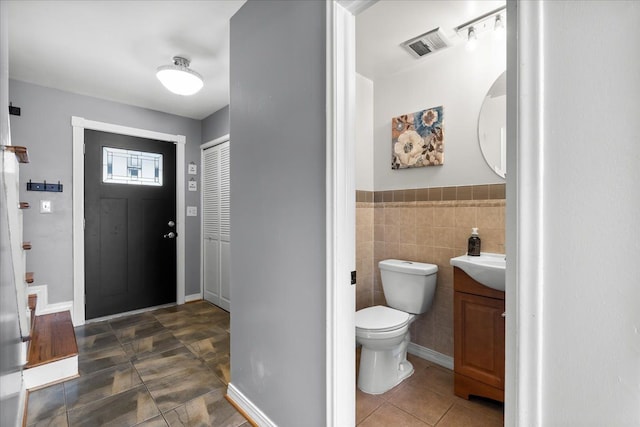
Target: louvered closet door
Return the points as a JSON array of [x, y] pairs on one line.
[[225, 227], [216, 225]]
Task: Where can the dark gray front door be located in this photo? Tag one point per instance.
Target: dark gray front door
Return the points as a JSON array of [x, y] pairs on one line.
[[130, 245]]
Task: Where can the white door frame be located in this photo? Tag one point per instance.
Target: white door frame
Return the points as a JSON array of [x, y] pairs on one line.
[[525, 200], [203, 147], [340, 216], [79, 125], [524, 305]]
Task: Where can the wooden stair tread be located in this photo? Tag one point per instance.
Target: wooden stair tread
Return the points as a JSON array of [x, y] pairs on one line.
[[33, 300], [23, 205], [28, 277], [21, 152], [26, 246], [53, 339]]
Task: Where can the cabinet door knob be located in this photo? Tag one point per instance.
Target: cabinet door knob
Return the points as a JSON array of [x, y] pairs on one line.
[[504, 314]]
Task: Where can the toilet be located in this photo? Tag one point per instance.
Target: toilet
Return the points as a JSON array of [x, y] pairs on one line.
[[383, 331]]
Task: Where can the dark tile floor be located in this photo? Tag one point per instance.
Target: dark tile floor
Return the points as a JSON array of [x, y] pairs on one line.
[[170, 367], [167, 367], [426, 399]]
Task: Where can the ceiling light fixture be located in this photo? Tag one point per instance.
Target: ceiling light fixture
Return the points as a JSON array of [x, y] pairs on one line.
[[472, 40], [179, 78], [498, 28], [499, 25], [493, 20]]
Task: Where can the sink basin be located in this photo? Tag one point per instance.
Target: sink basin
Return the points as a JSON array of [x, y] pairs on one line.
[[488, 268]]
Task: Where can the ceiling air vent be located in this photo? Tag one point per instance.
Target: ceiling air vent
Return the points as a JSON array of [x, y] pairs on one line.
[[427, 43]]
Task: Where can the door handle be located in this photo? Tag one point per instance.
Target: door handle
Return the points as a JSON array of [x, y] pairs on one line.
[[170, 235]]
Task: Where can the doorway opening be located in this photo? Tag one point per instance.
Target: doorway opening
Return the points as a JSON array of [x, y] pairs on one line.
[[79, 126]]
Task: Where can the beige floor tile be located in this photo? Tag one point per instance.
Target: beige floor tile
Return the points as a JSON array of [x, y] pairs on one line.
[[366, 404], [388, 415], [417, 362], [428, 396], [423, 404], [460, 416], [434, 379], [486, 407]]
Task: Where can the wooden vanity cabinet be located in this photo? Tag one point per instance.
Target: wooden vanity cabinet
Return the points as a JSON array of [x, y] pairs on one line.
[[479, 332]]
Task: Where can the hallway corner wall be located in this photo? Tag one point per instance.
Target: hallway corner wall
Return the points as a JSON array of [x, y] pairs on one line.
[[278, 268]]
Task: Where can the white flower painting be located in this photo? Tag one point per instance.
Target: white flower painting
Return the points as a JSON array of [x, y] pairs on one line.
[[417, 139]]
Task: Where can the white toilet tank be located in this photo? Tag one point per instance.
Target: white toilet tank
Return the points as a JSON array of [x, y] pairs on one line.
[[408, 286]]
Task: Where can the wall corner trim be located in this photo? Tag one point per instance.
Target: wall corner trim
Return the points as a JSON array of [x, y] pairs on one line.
[[249, 407]]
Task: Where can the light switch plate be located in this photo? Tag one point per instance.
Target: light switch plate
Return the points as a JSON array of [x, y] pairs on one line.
[[192, 211], [45, 206]]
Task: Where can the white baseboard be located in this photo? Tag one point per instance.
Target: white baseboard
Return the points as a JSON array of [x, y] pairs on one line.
[[128, 313], [50, 373], [430, 355], [248, 407], [43, 306], [192, 297]]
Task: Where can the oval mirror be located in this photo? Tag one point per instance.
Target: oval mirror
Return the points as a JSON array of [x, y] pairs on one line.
[[492, 126]]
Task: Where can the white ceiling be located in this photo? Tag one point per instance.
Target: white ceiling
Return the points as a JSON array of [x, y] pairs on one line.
[[111, 49], [383, 27]]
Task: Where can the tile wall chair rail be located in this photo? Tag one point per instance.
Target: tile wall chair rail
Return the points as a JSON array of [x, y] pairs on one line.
[[465, 192]]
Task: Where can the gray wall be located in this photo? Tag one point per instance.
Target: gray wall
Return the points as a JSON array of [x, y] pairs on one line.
[[45, 127], [458, 80], [10, 342], [587, 249], [215, 125], [278, 209]]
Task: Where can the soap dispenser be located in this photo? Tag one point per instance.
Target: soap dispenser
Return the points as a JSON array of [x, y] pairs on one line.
[[474, 243]]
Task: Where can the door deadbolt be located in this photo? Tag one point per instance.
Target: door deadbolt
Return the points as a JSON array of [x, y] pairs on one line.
[[171, 224]]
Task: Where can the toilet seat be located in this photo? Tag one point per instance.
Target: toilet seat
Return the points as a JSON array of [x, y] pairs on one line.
[[381, 319]]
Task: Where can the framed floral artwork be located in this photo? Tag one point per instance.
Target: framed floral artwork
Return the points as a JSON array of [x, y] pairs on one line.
[[417, 139]]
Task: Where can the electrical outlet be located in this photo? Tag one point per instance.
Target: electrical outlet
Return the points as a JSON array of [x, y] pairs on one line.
[[192, 211], [45, 206]]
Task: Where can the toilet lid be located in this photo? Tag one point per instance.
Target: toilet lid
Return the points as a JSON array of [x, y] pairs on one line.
[[381, 318]]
